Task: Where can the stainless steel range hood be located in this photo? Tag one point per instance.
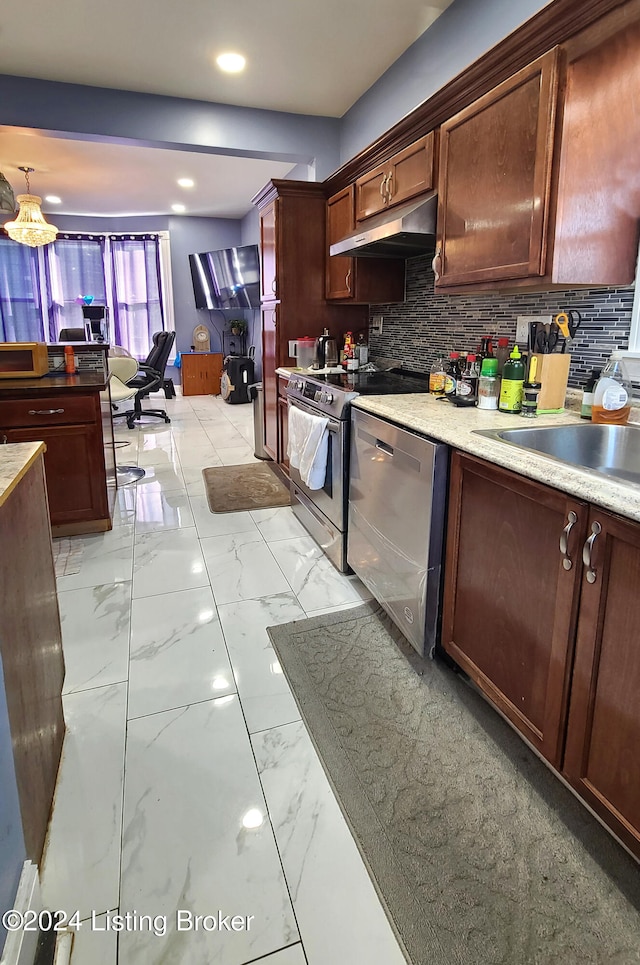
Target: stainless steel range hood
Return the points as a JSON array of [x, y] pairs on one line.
[[402, 232]]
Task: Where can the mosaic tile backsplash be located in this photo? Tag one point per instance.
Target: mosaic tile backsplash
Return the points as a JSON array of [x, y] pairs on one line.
[[426, 324]]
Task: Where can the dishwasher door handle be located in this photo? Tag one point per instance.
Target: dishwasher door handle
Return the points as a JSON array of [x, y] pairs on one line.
[[384, 447]]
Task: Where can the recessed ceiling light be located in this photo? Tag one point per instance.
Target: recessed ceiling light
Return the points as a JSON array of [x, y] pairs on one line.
[[232, 63], [186, 182], [178, 208], [53, 199]]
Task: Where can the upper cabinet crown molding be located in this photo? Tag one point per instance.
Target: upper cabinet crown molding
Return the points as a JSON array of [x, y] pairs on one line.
[[555, 24]]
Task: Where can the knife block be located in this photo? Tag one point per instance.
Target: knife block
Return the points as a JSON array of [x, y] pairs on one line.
[[553, 373]]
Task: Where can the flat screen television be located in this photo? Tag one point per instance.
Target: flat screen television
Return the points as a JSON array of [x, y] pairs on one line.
[[227, 278]]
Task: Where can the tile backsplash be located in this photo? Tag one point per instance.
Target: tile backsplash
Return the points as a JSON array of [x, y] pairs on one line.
[[426, 324]]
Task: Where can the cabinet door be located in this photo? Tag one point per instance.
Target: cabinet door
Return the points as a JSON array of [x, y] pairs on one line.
[[74, 468], [495, 175], [509, 602], [269, 378], [411, 171], [371, 192], [358, 280], [602, 758], [340, 222], [268, 252]]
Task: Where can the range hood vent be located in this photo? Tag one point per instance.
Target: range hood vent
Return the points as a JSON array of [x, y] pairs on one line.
[[402, 232]]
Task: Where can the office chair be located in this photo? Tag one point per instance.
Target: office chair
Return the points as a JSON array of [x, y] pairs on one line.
[[72, 335], [123, 367], [150, 378]]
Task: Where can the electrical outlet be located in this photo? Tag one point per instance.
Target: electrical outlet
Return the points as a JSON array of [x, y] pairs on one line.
[[376, 323], [523, 322]]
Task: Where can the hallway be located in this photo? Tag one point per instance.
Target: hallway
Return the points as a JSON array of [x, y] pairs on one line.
[[188, 780]]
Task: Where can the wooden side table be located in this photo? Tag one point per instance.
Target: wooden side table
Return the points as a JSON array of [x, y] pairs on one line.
[[201, 372]]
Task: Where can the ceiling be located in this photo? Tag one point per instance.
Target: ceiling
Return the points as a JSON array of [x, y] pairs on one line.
[[303, 56]]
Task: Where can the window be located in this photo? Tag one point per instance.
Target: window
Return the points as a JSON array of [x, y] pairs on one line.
[[20, 308], [41, 290]]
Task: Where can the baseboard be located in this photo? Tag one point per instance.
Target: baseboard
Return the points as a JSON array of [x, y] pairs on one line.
[[21, 946]]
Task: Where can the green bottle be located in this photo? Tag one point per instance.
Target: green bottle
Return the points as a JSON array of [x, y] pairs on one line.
[[512, 382]]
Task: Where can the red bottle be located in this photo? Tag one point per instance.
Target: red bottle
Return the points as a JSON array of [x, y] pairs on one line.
[[69, 360]]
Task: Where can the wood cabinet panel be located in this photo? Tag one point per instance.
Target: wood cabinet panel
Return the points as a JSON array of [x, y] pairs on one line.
[[404, 176], [495, 180], [509, 604], [365, 280], [47, 410], [268, 253], [596, 232], [602, 760], [31, 647], [201, 373], [269, 378]]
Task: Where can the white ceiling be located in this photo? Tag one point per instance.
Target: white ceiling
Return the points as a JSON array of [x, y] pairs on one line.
[[303, 56]]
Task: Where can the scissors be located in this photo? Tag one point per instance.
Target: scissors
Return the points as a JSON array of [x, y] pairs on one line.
[[568, 323]]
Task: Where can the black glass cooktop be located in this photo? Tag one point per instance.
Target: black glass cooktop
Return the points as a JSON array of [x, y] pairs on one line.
[[377, 383]]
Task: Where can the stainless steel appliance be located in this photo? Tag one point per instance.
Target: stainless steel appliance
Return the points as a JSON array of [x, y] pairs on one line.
[[326, 352], [397, 499], [323, 512], [401, 232]]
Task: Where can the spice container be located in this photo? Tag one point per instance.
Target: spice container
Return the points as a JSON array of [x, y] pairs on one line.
[[488, 384], [530, 393]]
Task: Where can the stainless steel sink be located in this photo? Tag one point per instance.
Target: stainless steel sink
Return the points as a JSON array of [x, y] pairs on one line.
[[611, 450]]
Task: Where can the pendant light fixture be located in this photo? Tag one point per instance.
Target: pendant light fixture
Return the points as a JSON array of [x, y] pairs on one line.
[[7, 199], [29, 227]]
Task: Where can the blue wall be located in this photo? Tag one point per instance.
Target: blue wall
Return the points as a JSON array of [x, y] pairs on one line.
[[12, 849], [466, 30]]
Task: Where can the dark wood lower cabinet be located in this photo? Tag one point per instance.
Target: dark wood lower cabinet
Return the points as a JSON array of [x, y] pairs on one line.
[[551, 637], [602, 758], [509, 603]]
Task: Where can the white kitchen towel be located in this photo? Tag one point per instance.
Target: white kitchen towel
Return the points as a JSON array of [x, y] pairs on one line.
[[307, 446]]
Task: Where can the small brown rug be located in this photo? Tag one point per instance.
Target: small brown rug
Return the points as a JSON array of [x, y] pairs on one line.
[[232, 489]]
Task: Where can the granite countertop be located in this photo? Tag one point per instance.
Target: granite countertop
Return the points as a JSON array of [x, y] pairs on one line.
[[455, 426], [15, 460]]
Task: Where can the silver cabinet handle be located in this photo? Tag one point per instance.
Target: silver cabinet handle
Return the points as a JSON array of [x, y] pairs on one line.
[[347, 281], [384, 447], [389, 183], [45, 411], [273, 285], [587, 550], [383, 187], [436, 264], [567, 562]]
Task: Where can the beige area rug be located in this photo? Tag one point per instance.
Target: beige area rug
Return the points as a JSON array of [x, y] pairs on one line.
[[67, 556], [232, 489], [480, 855]]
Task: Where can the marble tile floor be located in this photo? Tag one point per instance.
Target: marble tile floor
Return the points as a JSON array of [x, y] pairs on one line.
[[188, 781]]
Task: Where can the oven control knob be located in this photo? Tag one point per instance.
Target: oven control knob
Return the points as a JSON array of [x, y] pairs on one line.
[[299, 385], [317, 396], [327, 397]]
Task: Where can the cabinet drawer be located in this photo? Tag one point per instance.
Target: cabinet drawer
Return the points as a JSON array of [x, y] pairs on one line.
[[45, 411]]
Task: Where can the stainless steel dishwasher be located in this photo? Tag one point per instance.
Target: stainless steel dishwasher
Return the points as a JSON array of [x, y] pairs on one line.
[[397, 501]]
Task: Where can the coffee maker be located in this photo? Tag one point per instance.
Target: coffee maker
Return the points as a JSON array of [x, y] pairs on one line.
[[326, 354]]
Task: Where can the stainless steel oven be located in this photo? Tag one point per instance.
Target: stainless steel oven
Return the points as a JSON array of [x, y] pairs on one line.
[[324, 512]]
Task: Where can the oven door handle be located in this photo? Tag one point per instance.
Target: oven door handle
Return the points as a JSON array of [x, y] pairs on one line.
[[333, 425]]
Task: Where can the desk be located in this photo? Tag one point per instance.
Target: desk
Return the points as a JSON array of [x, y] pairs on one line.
[[67, 413]]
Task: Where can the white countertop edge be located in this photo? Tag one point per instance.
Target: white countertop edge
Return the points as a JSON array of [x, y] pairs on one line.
[[455, 426]]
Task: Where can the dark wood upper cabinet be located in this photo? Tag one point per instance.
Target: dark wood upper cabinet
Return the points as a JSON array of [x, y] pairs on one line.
[[268, 252], [510, 605], [359, 280], [602, 759], [596, 230], [404, 176], [495, 181]]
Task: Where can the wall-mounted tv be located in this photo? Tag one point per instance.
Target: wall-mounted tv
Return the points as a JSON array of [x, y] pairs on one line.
[[227, 278]]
